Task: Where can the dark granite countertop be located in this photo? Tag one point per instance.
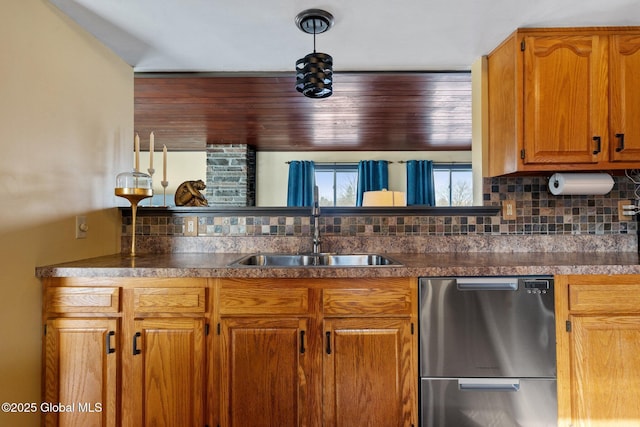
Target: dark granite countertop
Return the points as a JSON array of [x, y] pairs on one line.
[[413, 265]]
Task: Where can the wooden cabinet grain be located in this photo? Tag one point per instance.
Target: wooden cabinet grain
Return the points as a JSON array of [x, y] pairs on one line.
[[81, 369], [264, 372], [367, 373], [624, 102], [598, 334], [134, 347], [284, 352], [166, 372], [318, 352], [564, 99]]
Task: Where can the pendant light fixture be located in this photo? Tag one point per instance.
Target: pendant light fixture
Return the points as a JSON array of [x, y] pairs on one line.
[[314, 72]]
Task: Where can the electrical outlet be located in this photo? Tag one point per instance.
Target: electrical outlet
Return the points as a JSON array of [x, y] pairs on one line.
[[509, 210], [621, 215], [191, 226], [81, 227]]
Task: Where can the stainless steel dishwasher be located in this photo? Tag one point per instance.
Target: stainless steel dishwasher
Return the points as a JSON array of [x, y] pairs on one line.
[[487, 352]]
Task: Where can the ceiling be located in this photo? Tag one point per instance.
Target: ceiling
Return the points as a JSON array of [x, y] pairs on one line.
[[258, 40], [368, 35]]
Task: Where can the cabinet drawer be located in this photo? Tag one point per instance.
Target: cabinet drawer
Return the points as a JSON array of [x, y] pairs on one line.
[[169, 300], [260, 300], [82, 300], [604, 298], [360, 301]]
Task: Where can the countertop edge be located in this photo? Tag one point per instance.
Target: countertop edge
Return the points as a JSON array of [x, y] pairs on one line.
[[413, 265]]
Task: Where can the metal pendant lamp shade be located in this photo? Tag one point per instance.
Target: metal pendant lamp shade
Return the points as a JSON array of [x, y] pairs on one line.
[[314, 72]]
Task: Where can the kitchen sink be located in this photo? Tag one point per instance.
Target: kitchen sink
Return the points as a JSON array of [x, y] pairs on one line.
[[314, 260]]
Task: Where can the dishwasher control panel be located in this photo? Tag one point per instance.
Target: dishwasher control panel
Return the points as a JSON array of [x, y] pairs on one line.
[[536, 285]]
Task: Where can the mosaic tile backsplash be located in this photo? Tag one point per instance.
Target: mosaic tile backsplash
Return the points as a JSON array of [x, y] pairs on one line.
[[538, 212]]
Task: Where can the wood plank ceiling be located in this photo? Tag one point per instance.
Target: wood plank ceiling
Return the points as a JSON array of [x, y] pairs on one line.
[[412, 111]]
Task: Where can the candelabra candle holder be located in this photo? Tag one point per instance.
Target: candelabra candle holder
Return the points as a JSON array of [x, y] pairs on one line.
[[164, 184], [151, 172], [133, 186]]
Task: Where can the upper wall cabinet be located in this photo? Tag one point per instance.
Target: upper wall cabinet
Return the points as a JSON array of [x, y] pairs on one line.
[[564, 99]]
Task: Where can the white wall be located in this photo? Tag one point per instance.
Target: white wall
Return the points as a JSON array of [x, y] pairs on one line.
[[181, 166], [66, 115], [273, 172], [479, 124]]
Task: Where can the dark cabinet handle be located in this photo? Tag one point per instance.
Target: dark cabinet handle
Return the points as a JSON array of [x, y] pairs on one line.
[[620, 137], [135, 343], [301, 342], [598, 141], [108, 342], [328, 342]]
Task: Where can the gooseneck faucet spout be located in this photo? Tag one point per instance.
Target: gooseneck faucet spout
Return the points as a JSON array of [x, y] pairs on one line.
[[315, 213]]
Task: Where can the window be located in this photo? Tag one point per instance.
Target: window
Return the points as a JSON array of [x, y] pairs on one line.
[[337, 184], [453, 184]]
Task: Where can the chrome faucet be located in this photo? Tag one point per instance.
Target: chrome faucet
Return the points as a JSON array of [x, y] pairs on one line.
[[315, 213]]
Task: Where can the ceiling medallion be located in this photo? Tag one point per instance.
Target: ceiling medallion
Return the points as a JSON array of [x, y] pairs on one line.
[[314, 72]]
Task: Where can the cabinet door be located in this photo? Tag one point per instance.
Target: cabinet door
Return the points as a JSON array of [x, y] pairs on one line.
[[168, 361], [565, 99], [624, 64], [81, 365], [263, 372], [605, 380], [367, 373]]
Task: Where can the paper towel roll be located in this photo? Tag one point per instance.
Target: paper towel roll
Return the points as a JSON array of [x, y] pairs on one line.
[[580, 183]]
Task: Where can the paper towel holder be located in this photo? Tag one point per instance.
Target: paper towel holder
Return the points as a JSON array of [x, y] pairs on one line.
[[597, 183]]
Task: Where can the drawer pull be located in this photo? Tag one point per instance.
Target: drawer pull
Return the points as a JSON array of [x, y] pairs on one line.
[[598, 142], [328, 342], [620, 146], [136, 350], [108, 342], [488, 384], [301, 342]]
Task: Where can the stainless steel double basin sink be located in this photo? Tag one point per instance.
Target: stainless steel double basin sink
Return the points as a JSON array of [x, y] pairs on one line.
[[314, 260]]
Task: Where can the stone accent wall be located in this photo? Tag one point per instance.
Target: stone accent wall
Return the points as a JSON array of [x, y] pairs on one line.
[[231, 175]]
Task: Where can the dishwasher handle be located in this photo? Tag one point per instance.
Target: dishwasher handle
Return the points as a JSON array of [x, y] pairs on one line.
[[488, 384], [487, 283]]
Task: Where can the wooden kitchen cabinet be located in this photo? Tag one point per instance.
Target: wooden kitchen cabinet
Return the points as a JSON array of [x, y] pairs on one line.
[[367, 373], [266, 355], [598, 333], [80, 355], [167, 386], [264, 372], [133, 349], [624, 90], [318, 352], [564, 99], [283, 352], [80, 369]]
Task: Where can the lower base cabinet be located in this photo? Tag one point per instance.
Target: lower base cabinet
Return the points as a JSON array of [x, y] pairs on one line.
[[138, 352], [264, 372], [598, 332], [166, 373], [367, 372], [331, 353], [81, 371], [124, 352]]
